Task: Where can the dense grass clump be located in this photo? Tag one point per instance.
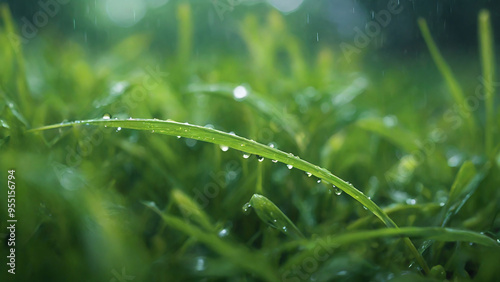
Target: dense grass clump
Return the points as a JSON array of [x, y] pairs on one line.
[[280, 163]]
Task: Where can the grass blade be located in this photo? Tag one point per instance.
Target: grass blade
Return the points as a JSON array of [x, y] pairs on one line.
[[488, 64], [327, 244], [252, 262], [273, 216], [444, 69], [186, 130]]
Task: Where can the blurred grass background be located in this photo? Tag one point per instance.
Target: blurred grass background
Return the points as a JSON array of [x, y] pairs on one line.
[[385, 121]]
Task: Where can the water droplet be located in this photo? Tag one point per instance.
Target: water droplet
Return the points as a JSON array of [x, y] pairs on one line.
[[209, 126], [223, 233], [309, 174], [200, 264], [118, 129], [337, 190], [318, 181], [274, 161], [106, 116], [498, 241], [289, 166], [178, 137], [272, 145], [411, 201], [224, 148], [240, 92], [153, 131], [285, 229], [246, 208], [232, 133], [246, 156], [259, 158]]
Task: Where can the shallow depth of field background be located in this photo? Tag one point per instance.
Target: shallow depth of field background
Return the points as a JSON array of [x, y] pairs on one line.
[[346, 85]]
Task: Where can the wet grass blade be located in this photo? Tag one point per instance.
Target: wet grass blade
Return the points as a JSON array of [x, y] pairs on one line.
[[445, 70], [254, 263], [327, 244], [273, 216], [488, 64], [186, 130]]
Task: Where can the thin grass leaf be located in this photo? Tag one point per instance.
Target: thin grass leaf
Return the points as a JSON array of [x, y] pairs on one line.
[[327, 244], [394, 133], [445, 70], [488, 64], [254, 263], [259, 104], [192, 210], [173, 128], [269, 213]]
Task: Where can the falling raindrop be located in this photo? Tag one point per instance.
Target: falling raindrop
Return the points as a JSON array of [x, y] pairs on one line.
[[106, 116], [224, 148], [246, 156], [289, 166], [246, 208]]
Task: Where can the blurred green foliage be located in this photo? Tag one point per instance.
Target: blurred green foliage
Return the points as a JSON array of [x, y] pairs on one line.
[[95, 203]]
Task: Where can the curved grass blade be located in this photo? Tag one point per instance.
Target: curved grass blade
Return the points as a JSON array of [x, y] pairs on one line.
[[258, 103], [455, 88], [395, 134], [273, 216], [254, 263], [192, 210], [186, 130], [327, 244]]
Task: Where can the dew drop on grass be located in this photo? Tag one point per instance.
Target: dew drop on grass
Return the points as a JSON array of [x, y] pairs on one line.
[[309, 174], [223, 233], [259, 158], [289, 166], [246, 156], [200, 264], [224, 148], [411, 201], [272, 145], [274, 161], [337, 190], [178, 137], [106, 116], [240, 93], [118, 129], [318, 181], [246, 208]]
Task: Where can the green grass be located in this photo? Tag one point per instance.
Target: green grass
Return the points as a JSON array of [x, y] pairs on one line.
[[107, 181]]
